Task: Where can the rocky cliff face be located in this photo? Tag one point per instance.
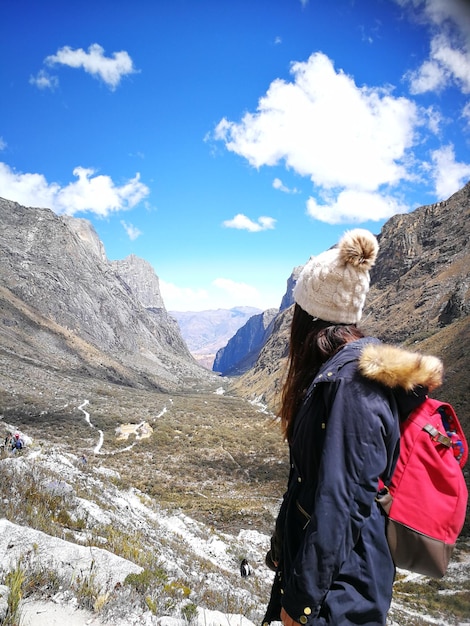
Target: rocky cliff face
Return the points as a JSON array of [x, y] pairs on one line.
[[243, 348], [419, 297], [288, 298], [64, 306], [139, 275], [422, 276]]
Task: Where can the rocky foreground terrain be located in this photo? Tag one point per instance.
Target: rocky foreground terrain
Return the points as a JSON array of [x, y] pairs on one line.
[[110, 523]]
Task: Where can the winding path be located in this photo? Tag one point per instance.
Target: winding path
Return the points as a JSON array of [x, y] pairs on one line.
[[97, 448]]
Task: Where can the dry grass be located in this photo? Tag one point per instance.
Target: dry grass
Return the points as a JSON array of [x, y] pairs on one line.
[[217, 458]]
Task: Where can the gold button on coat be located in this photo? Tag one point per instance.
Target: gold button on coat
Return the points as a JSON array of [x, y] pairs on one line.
[[303, 619], [307, 610]]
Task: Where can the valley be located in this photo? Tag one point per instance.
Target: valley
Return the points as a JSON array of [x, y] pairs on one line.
[[148, 478]]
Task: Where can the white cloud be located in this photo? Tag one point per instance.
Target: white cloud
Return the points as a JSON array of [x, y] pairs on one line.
[[277, 41], [449, 176], [221, 293], [447, 65], [278, 184], [94, 62], [90, 193], [429, 77], [242, 222], [449, 55], [44, 80], [323, 126], [466, 113], [3, 144], [241, 293], [454, 13], [132, 231], [434, 119], [354, 206], [183, 298], [456, 62]]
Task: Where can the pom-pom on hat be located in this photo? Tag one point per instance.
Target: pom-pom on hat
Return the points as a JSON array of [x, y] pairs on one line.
[[333, 285]]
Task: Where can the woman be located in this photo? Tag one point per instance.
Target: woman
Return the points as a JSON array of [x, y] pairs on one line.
[[340, 411]]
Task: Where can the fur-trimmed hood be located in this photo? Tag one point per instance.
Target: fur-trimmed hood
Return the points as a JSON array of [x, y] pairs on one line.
[[398, 368]]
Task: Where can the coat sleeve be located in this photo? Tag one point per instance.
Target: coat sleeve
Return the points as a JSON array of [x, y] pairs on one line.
[[353, 457]]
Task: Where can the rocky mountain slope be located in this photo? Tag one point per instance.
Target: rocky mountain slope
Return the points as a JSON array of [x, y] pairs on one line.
[[419, 297], [140, 276], [66, 310]]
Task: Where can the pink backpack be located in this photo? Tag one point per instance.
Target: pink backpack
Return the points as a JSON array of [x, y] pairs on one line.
[[426, 499]]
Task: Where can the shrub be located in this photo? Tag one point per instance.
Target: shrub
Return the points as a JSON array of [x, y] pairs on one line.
[[14, 580]]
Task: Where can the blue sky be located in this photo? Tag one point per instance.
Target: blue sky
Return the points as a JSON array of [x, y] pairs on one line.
[[226, 141]]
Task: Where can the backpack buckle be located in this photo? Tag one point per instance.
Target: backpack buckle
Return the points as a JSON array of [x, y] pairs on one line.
[[437, 436]]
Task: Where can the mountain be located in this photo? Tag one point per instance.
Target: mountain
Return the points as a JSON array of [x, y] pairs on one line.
[[419, 297], [140, 276], [243, 348], [288, 298], [66, 311], [207, 331]]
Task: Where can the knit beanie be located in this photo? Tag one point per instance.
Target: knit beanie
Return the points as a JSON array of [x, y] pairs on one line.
[[333, 285]]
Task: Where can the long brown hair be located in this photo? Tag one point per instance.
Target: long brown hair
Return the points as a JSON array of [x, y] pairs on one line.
[[312, 343]]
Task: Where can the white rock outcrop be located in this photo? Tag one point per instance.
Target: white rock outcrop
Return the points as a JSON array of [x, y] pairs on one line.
[[67, 559]]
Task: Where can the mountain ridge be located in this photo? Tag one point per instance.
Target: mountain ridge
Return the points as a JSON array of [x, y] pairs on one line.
[[78, 314]]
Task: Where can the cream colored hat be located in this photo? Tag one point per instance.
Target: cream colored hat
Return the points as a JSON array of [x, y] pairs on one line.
[[333, 285]]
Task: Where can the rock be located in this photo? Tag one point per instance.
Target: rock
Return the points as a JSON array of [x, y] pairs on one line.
[[69, 560]]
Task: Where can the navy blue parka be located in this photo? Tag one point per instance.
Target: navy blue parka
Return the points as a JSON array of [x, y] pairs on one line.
[[334, 564]]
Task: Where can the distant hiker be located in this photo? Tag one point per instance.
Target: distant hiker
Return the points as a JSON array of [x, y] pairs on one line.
[[245, 569], [8, 443], [341, 403], [18, 442]]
